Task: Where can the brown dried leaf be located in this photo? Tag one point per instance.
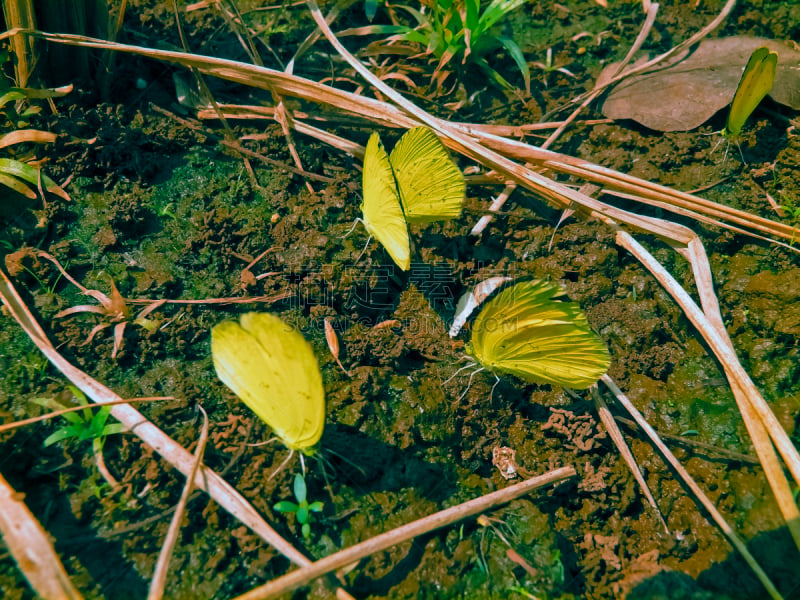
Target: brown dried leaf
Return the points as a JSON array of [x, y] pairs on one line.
[[330, 337], [247, 278], [27, 135], [118, 309], [687, 90], [14, 260], [386, 324], [517, 558], [333, 343]]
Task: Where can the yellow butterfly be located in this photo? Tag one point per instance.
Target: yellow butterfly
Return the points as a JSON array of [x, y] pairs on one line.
[[418, 183], [756, 82], [272, 369], [528, 330]]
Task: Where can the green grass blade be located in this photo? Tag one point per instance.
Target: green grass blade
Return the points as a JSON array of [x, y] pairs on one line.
[[18, 186], [513, 50], [496, 11]]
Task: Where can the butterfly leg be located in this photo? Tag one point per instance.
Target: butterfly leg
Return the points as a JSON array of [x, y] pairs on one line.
[[469, 383], [496, 381], [469, 366], [355, 224], [369, 239]]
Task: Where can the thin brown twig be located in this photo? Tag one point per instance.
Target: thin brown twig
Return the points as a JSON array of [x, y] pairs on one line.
[[207, 479], [206, 92], [762, 424], [650, 19], [726, 529], [162, 301], [619, 441], [158, 583], [282, 115], [234, 145], [696, 445], [32, 549], [58, 413], [498, 202], [451, 515]]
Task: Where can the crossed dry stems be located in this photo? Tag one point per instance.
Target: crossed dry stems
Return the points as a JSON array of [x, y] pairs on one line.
[[496, 155]]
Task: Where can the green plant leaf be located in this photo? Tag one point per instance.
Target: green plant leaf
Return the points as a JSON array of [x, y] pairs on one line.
[[61, 434], [300, 488], [18, 186], [285, 506], [496, 10], [493, 75], [52, 404], [302, 513], [315, 506], [306, 529], [30, 174], [473, 14], [370, 9], [11, 95], [422, 20], [113, 428], [513, 50], [377, 30]]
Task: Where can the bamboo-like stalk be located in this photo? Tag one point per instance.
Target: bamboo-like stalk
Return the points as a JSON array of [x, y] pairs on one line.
[[159, 582], [485, 148], [30, 546], [20, 14]]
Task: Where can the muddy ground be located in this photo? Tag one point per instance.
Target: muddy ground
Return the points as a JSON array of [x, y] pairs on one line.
[[165, 211]]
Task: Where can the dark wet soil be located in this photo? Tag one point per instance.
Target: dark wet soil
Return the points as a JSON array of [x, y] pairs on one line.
[[164, 211]]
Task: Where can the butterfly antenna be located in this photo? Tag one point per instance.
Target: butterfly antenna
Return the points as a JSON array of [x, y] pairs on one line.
[[282, 465], [469, 366], [353, 464], [469, 383], [264, 443], [355, 223], [323, 463]]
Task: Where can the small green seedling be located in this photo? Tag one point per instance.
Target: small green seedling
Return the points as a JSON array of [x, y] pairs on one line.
[[81, 425], [454, 32], [550, 66], [302, 509], [84, 425], [492, 526]]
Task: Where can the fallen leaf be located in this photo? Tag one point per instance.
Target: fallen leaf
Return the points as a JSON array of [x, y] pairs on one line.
[[333, 343], [687, 90]]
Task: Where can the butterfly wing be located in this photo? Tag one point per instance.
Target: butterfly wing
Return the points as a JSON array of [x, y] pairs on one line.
[[756, 82], [472, 299], [431, 185], [526, 330], [381, 209], [273, 370]]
